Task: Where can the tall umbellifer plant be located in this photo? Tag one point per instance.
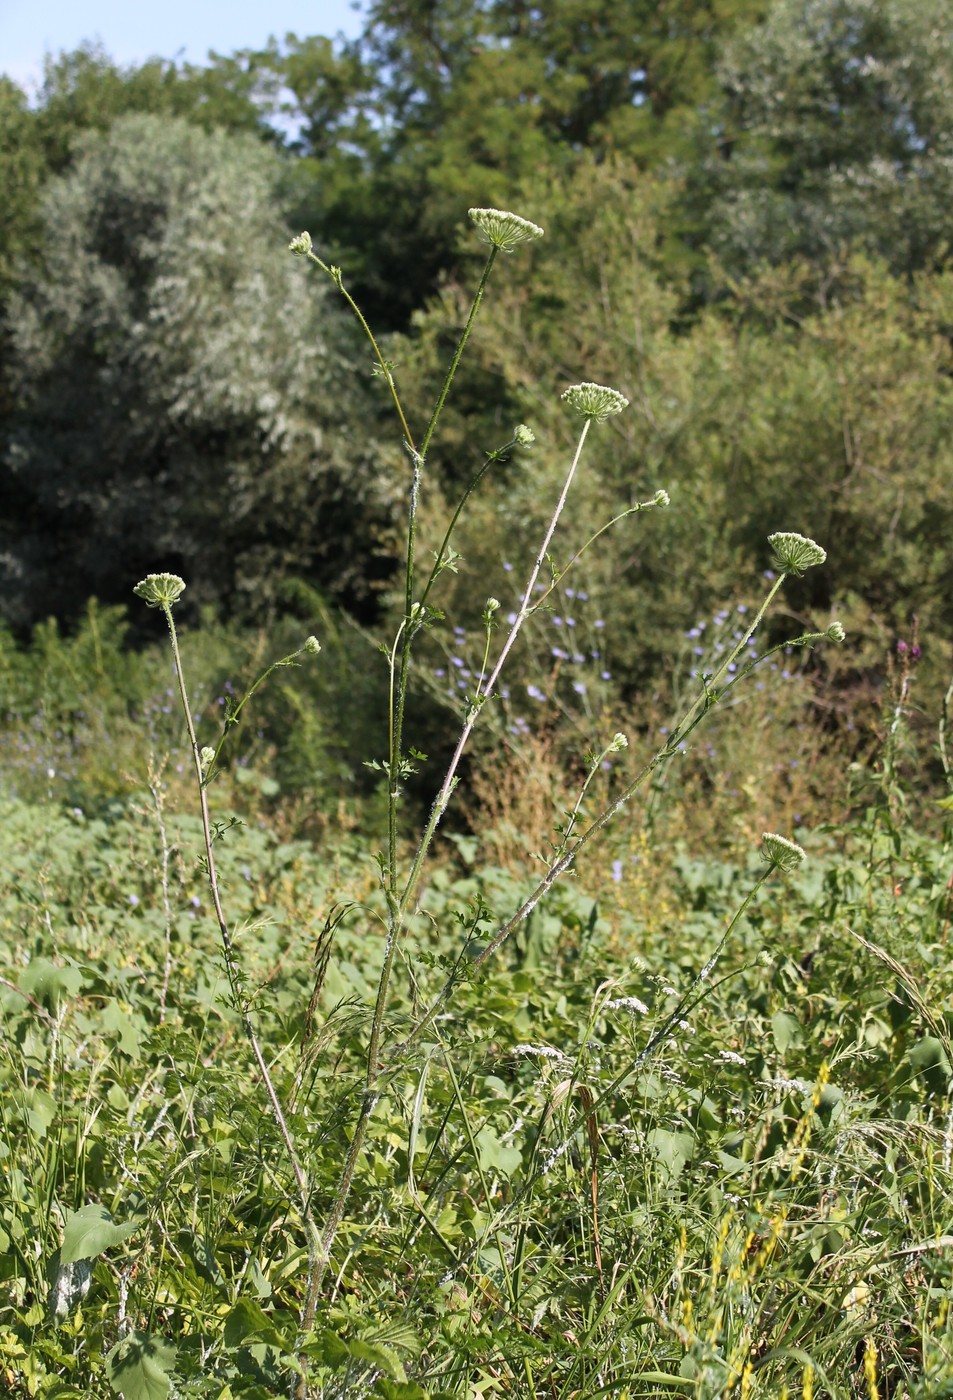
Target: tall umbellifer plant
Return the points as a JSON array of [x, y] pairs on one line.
[[400, 878]]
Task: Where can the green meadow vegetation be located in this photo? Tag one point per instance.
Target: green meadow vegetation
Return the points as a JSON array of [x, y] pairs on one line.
[[476, 693]]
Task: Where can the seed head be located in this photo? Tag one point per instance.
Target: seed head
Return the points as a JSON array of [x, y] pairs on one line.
[[503, 230], [595, 401], [795, 553], [160, 590], [781, 853]]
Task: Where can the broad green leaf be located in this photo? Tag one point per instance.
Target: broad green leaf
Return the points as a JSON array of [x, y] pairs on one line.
[[91, 1230], [494, 1156], [138, 1367], [672, 1149], [786, 1030], [378, 1355], [247, 1321], [48, 983]]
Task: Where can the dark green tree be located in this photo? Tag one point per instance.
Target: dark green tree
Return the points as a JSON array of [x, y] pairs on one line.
[[836, 130], [443, 104], [187, 397]]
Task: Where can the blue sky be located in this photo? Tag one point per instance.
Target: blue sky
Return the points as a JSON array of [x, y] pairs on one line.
[[133, 30]]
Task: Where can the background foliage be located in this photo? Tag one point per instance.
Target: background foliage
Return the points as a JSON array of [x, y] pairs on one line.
[[745, 208]]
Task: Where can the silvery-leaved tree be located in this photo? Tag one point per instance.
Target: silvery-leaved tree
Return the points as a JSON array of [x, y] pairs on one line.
[[181, 396]]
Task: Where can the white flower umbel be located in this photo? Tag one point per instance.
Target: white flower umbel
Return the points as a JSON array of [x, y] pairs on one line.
[[595, 401], [160, 590], [504, 231], [781, 853], [795, 553], [836, 632], [300, 245]]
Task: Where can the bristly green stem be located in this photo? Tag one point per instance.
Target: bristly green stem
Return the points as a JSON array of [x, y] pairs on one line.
[[241, 1003], [419, 463], [395, 906], [449, 782], [335, 275]]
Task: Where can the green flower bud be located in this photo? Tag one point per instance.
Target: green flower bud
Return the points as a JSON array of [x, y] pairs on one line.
[[492, 605], [503, 230], [205, 759], [595, 401], [523, 436], [795, 553], [160, 590], [778, 851], [300, 245]]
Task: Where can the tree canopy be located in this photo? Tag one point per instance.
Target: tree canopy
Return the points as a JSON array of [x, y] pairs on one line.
[[758, 187], [182, 394]]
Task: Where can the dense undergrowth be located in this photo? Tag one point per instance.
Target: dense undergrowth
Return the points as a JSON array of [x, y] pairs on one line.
[[759, 1204]]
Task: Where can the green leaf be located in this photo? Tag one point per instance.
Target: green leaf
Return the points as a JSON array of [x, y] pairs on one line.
[[786, 1030], [378, 1355], [246, 1320], [49, 984], [494, 1156], [138, 1367], [91, 1230], [929, 1058], [672, 1149]]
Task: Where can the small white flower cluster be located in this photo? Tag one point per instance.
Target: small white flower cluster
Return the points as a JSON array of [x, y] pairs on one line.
[[312, 646], [795, 553], [628, 1004], [542, 1052], [788, 1086], [523, 436], [595, 401], [301, 245], [503, 230], [160, 590], [778, 851]]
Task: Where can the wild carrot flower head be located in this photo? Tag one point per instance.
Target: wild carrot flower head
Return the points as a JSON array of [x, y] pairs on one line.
[[595, 401], [160, 590], [300, 245], [503, 230], [523, 436], [795, 553], [836, 632], [781, 853], [662, 499]]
